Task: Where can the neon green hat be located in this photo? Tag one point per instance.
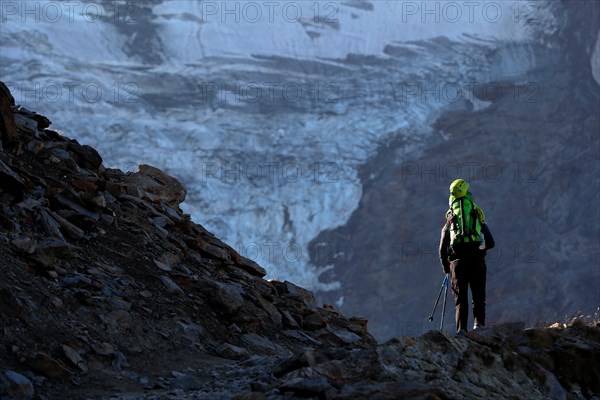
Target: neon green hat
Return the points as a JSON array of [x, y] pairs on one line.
[[459, 188]]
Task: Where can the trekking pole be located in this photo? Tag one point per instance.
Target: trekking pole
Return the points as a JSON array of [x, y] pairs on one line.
[[445, 284], [438, 298]]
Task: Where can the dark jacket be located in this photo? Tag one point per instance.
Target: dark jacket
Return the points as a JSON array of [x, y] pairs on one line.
[[464, 250]]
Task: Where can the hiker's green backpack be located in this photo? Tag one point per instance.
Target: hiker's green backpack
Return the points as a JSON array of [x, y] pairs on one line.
[[465, 219]]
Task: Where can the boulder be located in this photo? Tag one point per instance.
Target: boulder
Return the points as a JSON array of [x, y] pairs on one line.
[[232, 352], [225, 298], [260, 343], [274, 315], [85, 156], [25, 125], [171, 286], [104, 349], [19, 385], [251, 267], [41, 122], [156, 185], [314, 322], [55, 247], [347, 337], [74, 357]]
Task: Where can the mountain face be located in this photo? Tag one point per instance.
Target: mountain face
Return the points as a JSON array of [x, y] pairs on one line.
[[110, 291], [304, 132], [531, 157]]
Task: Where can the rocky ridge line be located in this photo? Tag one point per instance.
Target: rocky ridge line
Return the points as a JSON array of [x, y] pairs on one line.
[[103, 273]]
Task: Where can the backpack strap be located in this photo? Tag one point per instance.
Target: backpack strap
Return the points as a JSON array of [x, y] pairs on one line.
[[451, 219], [474, 218], [462, 219]]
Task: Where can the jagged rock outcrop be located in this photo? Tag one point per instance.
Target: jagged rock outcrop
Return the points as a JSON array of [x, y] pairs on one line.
[[104, 277], [7, 120], [109, 291]]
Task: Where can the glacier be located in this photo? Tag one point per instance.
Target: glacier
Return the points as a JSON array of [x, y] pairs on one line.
[[264, 110]]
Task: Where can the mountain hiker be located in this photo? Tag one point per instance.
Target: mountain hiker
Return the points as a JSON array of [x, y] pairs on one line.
[[463, 247]]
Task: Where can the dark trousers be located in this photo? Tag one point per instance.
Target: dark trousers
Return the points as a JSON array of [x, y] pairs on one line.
[[465, 272]]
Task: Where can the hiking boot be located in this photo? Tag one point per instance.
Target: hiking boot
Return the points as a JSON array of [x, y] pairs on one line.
[[462, 332], [478, 325]]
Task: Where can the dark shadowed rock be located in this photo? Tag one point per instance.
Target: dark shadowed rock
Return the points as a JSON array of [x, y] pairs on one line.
[[8, 129], [13, 304], [226, 298], [302, 337], [11, 182], [252, 267], [185, 382], [157, 186], [68, 228], [391, 391], [41, 121], [306, 387], [250, 396], [288, 289], [171, 286], [44, 364], [271, 310], [232, 352], [71, 201], [25, 125], [75, 358], [347, 337], [308, 358], [208, 249], [19, 386], [25, 244], [260, 343], [55, 247], [85, 156], [51, 226], [314, 322]]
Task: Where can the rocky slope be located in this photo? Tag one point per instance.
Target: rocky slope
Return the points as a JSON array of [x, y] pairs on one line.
[[103, 275], [109, 291]]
